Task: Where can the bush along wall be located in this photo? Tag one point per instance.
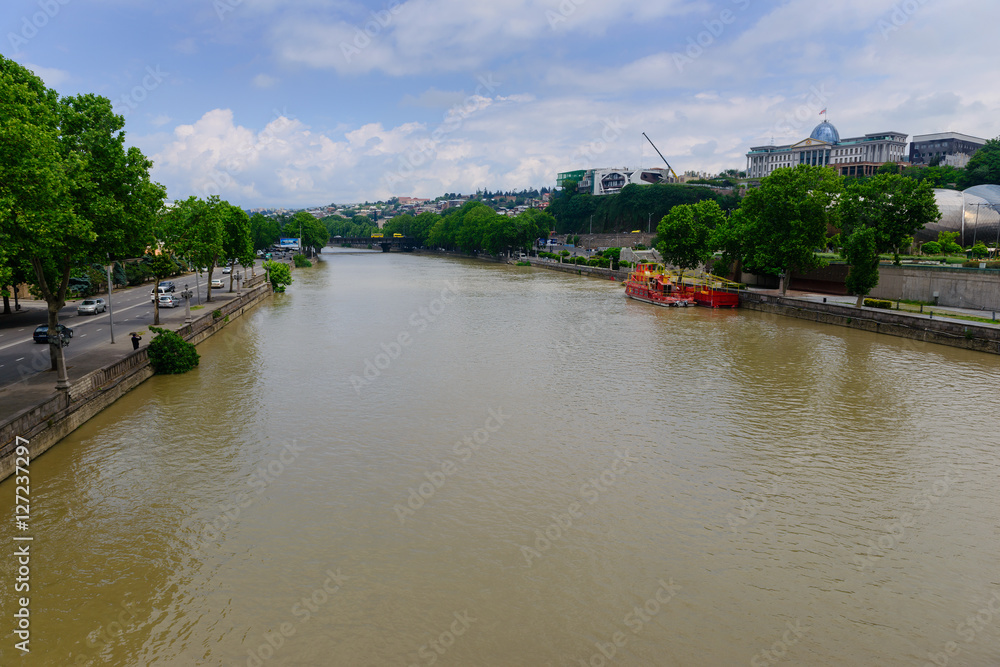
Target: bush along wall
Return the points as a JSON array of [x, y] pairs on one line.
[[170, 354]]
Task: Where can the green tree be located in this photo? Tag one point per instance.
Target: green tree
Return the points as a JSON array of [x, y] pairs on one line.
[[279, 274], [983, 166], [782, 223], [947, 242], [893, 205], [311, 232], [861, 252], [979, 250], [684, 236], [237, 242], [161, 266], [71, 193], [194, 229], [264, 231]]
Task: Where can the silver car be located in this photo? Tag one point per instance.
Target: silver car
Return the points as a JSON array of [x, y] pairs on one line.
[[168, 301], [91, 307]]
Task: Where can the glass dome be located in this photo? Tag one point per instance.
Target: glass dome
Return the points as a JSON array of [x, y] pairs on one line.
[[825, 131], [978, 208]]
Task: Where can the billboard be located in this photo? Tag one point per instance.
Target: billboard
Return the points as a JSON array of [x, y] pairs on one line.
[[288, 244]]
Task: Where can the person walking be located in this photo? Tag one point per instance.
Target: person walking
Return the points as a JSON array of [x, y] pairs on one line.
[[135, 340]]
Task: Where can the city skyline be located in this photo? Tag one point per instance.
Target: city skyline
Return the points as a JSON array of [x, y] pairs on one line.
[[271, 106]]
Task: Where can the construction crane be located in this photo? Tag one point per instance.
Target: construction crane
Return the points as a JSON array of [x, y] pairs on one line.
[[672, 172]]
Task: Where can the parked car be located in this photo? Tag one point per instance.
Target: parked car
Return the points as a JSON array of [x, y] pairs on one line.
[[168, 301], [168, 285], [41, 334], [216, 283], [91, 307], [153, 293]]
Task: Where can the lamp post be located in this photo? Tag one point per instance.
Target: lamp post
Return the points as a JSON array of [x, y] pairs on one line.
[[239, 290], [111, 310], [186, 294]]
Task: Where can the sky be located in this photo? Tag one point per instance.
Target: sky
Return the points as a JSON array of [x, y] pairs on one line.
[[293, 104]]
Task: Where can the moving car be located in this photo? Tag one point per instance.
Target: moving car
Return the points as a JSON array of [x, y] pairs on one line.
[[41, 334], [168, 285], [216, 283], [168, 301], [227, 270], [91, 307], [158, 290]]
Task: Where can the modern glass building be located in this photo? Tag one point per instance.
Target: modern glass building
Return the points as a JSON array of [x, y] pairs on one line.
[[973, 213]]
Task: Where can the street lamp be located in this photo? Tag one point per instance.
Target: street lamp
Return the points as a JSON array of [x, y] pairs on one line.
[[186, 295], [238, 284], [111, 309]]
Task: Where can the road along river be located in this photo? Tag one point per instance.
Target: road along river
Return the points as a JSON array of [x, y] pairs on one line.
[[412, 460]]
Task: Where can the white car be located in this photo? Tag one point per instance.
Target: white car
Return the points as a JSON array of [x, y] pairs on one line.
[[159, 290], [227, 270], [91, 307], [216, 283]]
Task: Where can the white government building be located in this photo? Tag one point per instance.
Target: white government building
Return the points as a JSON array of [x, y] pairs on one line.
[[856, 156]]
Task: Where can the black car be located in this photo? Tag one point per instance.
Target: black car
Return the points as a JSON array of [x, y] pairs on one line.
[[41, 334], [167, 285]]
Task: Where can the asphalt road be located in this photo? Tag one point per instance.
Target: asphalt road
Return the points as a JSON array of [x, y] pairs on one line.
[[21, 357]]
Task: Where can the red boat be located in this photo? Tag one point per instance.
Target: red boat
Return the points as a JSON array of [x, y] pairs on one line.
[[652, 284]]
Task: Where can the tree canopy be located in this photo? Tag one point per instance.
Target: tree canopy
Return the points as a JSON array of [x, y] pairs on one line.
[[780, 225], [70, 193], [684, 236], [632, 208], [893, 205], [984, 165]]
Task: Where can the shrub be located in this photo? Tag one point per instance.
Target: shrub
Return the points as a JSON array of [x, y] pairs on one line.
[[878, 303], [216, 314], [170, 354], [931, 248], [301, 261], [974, 264], [979, 250], [280, 275]]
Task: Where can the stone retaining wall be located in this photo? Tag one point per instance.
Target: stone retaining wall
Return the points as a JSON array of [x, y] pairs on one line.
[[970, 336]]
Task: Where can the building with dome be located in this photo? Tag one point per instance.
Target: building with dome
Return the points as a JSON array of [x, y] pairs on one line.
[[823, 147]]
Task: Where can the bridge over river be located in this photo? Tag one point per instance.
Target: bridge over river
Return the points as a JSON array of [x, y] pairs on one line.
[[405, 243]]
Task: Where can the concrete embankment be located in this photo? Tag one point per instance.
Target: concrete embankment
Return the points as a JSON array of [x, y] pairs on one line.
[[47, 423], [967, 335]]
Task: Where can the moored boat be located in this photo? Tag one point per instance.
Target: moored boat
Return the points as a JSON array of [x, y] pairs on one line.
[[653, 284]]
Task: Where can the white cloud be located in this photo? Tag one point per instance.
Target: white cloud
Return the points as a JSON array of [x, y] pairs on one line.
[[187, 46], [421, 36], [264, 81], [53, 78]]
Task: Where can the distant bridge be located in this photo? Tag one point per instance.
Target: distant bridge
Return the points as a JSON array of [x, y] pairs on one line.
[[404, 243]]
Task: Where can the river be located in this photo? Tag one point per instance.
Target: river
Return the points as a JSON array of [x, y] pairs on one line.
[[411, 460]]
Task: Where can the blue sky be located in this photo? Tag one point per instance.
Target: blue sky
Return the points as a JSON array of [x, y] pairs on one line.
[[293, 104]]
